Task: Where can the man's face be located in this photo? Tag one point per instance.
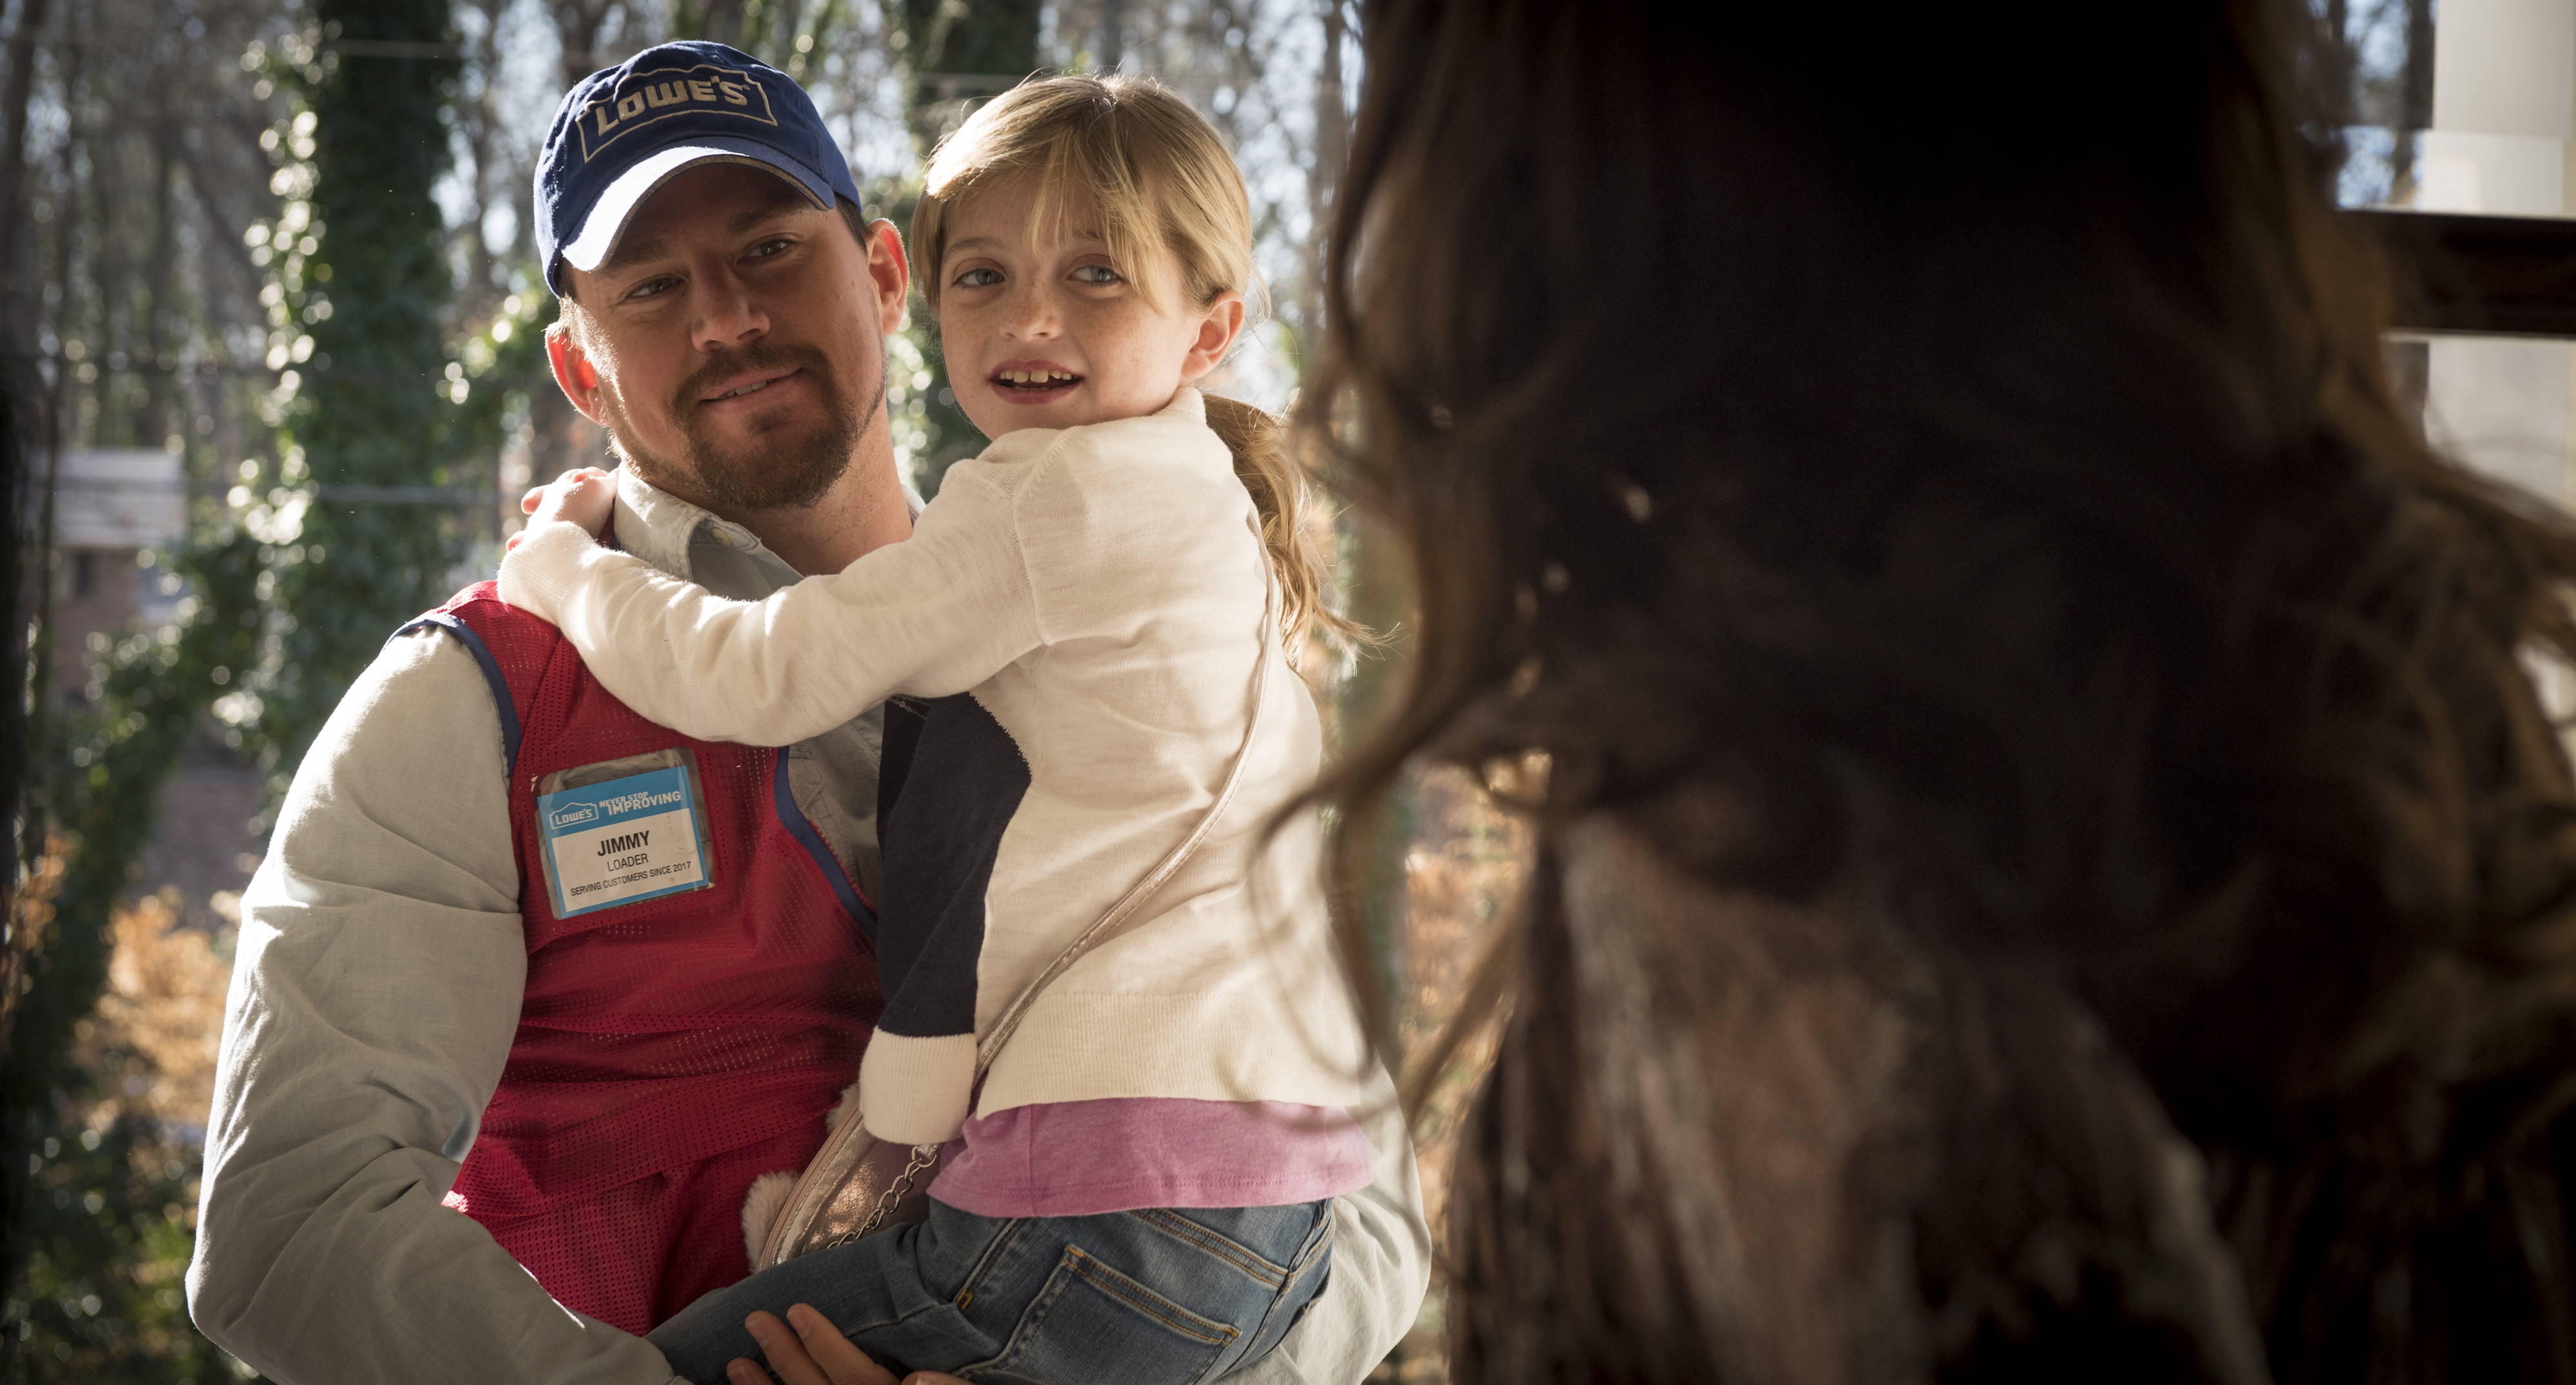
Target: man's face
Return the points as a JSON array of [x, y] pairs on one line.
[[734, 344]]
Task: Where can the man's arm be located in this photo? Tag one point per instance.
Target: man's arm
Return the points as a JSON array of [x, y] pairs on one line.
[[1381, 1265], [374, 997]]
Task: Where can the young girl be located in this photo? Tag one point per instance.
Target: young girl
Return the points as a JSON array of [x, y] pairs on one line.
[[1083, 615]]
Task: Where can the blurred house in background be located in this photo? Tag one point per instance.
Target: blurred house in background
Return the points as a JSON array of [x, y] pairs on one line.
[[112, 507]]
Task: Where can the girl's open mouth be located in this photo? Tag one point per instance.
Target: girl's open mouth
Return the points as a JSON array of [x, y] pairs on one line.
[[1035, 381]]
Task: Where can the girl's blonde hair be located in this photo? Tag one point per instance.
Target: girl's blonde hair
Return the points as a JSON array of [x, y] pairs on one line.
[[1165, 190]]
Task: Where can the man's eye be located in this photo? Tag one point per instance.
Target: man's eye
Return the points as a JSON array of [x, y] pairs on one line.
[[1096, 274], [652, 288], [978, 279], [768, 248]]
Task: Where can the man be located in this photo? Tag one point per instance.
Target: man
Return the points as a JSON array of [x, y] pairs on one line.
[[447, 1001]]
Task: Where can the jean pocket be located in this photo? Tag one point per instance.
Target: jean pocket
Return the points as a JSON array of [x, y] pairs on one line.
[[1091, 1323], [1207, 1248]]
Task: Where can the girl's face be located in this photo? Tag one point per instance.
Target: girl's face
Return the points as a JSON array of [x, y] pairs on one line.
[[1045, 330]]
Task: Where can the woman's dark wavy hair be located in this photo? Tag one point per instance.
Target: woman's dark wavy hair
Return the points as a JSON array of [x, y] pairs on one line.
[[1977, 415]]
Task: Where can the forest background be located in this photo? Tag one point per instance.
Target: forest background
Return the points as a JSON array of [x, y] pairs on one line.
[[288, 242]]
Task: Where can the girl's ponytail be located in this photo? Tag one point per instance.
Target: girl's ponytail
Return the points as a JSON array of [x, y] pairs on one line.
[[1278, 487]]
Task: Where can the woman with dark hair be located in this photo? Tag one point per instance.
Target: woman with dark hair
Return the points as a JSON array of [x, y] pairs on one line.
[[2052, 863]]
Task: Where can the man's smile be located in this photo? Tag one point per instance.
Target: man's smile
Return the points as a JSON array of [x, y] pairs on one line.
[[767, 425], [745, 385]]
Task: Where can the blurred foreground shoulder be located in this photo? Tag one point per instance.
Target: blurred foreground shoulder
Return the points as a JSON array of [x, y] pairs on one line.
[[1860, 1157]]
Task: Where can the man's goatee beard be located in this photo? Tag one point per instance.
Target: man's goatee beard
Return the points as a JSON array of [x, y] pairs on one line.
[[781, 467]]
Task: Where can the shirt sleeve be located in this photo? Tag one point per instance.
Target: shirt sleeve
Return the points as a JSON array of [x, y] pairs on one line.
[[1381, 1266], [933, 615], [374, 997]]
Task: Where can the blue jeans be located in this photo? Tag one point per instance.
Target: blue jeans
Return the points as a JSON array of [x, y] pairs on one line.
[[1152, 1297]]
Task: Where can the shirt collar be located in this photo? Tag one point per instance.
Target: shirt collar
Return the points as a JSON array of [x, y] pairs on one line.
[[660, 527]]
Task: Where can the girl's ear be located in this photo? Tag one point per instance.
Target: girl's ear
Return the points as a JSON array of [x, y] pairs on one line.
[[1219, 324]]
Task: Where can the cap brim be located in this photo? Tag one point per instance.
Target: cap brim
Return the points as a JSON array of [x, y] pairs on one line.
[[608, 216]]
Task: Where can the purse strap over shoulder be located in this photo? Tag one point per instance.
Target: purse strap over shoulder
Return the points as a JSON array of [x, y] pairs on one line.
[[1111, 923], [855, 1184]]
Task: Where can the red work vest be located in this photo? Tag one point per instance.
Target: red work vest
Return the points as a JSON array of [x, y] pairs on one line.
[[669, 1050]]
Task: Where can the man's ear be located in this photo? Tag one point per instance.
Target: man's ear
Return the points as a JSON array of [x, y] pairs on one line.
[[890, 272], [1219, 324], [573, 370]]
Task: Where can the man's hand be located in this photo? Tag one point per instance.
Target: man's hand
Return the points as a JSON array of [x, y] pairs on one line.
[[815, 1353], [583, 496]]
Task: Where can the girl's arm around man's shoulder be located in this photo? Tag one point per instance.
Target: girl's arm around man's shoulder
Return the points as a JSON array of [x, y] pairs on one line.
[[936, 614]]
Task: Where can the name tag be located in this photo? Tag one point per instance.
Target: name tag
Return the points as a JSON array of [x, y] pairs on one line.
[[623, 831]]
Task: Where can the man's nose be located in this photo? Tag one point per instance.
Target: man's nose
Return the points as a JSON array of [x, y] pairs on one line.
[[728, 313]]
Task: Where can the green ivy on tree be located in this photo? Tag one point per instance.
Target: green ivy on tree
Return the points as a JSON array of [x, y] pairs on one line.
[[368, 412], [85, 1234]]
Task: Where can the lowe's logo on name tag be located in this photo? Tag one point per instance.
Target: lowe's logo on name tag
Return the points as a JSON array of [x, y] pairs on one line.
[[622, 840]]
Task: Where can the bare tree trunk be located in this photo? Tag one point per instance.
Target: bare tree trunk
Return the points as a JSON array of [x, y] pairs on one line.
[[40, 641], [965, 52], [13, 176], [109, 261], [791, 22], [559, 437], [14, 494], [716, 21], [1332, 150], [157, 354], [30, 551], [2416, 99], [2414, 102], [476, 294], [48, 400], [579, 23]]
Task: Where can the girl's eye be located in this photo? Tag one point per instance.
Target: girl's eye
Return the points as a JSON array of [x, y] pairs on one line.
[[978, 279], [1096, 274]]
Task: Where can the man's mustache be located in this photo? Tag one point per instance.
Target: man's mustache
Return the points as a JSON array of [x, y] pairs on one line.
[[761, 356]]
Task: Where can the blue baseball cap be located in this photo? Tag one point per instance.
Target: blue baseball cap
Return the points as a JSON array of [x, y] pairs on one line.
[[625, 129]]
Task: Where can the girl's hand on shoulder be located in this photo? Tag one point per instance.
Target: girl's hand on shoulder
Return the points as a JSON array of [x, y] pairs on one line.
[[815, 1353], [584, 496]]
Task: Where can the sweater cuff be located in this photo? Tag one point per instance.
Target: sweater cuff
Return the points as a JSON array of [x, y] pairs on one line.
[[914, 1091], [537, 575]]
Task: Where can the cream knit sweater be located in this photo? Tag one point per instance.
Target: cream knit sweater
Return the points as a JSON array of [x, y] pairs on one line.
[[1099, 591]]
